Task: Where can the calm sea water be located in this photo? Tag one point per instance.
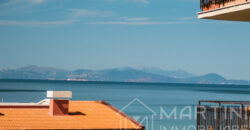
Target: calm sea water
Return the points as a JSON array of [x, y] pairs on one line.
[[148, 103]]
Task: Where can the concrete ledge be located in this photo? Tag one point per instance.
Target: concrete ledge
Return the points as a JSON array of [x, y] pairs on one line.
[[239, 12], [59, 94]]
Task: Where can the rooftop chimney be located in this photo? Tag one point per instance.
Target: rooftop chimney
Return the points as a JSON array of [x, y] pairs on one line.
[[59, 102]]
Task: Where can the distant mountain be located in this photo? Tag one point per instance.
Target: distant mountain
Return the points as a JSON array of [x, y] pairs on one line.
[[169, 73], [211, 78], [126, 74], [34, 72]]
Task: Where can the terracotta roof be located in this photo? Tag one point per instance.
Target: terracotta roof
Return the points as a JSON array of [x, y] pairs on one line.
[[82, 115]]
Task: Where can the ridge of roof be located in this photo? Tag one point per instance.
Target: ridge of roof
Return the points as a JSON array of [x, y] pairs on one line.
[[84, 115]]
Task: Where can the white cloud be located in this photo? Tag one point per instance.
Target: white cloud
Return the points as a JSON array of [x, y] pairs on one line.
[[135, 23], [76, 13], [141, 1], [187, 18], [17, 2], [135, 18], [134, 1], [151, 23], [36, 1], [19, 6], [13, 22]]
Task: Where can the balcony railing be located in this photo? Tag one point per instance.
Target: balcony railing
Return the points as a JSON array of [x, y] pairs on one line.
[[206, 5], [223, 115]]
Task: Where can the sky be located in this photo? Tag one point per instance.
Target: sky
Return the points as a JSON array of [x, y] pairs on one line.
[[99, 34]]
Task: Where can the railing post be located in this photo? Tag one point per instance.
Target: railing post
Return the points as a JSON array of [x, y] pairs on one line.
[[226, 116], [201, 4], [219, 111], [242, 115], [198, 115], [239, 119], [247, 114]]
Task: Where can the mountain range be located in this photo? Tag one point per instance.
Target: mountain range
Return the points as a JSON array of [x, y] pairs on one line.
[[126, 74]]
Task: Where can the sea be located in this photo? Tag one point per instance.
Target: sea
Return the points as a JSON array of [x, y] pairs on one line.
[[158, 106]]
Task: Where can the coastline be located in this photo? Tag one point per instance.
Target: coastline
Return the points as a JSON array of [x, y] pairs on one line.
[[116, 82]]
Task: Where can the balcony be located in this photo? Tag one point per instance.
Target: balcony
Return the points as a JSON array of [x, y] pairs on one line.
[[232, 10], [223, 115]]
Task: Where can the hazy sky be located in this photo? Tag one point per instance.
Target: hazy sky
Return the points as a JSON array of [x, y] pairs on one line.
[[97, 34]]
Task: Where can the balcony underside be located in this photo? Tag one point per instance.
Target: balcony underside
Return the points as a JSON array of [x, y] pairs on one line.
[[240, 12]]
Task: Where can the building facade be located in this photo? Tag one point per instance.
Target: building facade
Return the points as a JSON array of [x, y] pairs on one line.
[[232, 10]]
